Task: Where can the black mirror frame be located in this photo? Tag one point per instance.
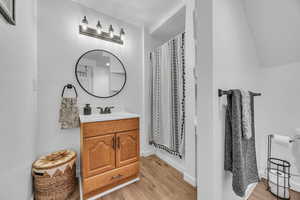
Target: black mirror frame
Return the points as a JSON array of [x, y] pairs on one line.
[[88, 91]]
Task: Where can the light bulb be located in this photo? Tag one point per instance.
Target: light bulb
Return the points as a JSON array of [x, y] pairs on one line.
[[122, 34], [111, 31], [99, 28], [99, 31], [84, 23]]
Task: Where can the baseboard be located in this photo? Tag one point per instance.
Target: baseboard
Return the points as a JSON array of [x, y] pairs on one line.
[[169, 160], [190, 179], [146, 153], [295, 186], [165, 157], [250, 190]]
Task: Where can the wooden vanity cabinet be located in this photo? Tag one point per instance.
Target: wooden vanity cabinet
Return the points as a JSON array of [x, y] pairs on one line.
[[127, 148], [98, 155], [110, 152]]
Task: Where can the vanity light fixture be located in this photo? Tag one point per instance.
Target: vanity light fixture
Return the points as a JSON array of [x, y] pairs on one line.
[[98, 32]]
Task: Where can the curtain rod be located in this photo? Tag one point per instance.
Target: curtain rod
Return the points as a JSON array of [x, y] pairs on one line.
[[172, 38], [225, 92]]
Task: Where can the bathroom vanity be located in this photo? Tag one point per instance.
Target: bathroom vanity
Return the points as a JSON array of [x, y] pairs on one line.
[[110, 151]]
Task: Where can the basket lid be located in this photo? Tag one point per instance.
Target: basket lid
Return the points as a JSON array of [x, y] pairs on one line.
[[55, 159]]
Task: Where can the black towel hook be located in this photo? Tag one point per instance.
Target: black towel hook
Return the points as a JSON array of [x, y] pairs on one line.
[[69, 86]]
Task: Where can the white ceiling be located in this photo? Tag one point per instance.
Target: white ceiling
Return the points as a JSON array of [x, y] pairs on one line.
[[139, 12], [171, 27], [276, 28]]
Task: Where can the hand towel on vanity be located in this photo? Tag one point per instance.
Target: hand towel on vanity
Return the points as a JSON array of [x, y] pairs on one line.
[[69, 113], [246, 115], [240, 153]]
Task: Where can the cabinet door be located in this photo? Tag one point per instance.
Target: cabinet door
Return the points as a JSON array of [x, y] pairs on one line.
[[99, 155], [127, 148]]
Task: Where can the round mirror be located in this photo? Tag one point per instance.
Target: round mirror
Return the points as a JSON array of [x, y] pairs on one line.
[[100, 73]]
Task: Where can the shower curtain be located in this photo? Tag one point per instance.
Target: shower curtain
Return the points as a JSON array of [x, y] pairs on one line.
[[168, 96]]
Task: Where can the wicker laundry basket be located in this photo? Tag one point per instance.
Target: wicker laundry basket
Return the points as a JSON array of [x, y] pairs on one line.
[[54, 176]]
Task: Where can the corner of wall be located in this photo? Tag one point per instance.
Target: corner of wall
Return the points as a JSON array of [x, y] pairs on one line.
[[190, 179], [147, 152], [179, 165]]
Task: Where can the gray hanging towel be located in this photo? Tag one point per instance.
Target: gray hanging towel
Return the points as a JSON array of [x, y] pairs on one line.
[[69, 113], [240, 153], [246, 114]]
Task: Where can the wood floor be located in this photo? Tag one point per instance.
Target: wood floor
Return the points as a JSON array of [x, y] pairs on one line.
[[260, 193], [159, 181]]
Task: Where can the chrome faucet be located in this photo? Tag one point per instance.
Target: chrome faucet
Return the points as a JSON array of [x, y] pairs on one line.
[[106, 110]]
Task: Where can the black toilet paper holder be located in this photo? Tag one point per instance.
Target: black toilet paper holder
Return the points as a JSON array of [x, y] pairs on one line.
[[280, 167]]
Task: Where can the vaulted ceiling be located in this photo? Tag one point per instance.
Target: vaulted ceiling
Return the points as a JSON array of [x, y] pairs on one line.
[[276, 29], [148, 13]]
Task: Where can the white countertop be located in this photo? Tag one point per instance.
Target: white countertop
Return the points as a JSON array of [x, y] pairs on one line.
[[107, 117]]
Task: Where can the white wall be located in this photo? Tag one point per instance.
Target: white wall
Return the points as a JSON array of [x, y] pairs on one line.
[[236, 65], [276, 28], [18, 102], [59, 47], [276, 32], [204, 70], [148, 44], [190, 174], [237, 50], [228, 60], [278, 112]]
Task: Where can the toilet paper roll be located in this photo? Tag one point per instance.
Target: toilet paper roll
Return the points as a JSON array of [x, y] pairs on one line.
[[282, 140], [281, 181]]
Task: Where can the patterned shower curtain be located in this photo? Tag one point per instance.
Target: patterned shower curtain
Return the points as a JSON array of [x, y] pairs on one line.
[[168, 96]]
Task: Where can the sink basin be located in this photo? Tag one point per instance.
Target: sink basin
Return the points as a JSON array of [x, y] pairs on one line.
[[107, 117]]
